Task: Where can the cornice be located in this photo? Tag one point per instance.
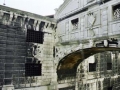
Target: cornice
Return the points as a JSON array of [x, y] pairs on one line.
[[65, 3], [25, 13]]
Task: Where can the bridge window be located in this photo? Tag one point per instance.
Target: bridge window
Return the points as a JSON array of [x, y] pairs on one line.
[[116, 11], [92, 67], [92, 63], [109, 62], [74, 24]]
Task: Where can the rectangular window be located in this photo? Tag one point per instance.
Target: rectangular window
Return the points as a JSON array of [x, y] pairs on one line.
[[110, 88], [74, 24], [34, 36], [109, 62], [92, 67], [109, 66], [32, 69]]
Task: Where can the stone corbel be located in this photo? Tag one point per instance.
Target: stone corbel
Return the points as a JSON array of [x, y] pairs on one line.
[[27, 23], [55, 27], [37, 26], [45, 25], [49, 26], [24, 21], [11, 17], [15, 17], [1, 14]]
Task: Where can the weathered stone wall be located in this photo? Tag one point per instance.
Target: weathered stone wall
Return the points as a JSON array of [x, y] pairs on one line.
[[15, 51], [93, 23]]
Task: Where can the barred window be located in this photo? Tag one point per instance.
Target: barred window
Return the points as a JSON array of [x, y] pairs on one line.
[[116, 11], [74, 24]]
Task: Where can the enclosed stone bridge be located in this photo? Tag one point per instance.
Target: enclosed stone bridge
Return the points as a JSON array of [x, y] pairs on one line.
[[67, 66]]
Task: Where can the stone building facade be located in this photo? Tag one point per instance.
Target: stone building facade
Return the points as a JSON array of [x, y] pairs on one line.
[[85, 24], [28, 39], [19, 47]]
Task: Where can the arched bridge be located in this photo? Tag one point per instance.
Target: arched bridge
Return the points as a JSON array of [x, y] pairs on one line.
[[67, 66]]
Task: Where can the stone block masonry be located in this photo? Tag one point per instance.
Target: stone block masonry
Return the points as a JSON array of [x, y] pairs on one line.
[[12, 56], [16, 51]]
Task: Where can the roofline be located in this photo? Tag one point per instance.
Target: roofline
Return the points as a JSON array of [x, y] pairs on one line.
[[25, 13]]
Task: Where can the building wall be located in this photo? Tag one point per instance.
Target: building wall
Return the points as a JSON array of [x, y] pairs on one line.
[[84, 27], [16, 51]]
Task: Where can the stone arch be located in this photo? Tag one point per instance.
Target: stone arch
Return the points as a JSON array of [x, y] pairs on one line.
[[67, 66]]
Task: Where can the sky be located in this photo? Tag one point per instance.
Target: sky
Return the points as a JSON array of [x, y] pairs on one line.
[[41, 7]]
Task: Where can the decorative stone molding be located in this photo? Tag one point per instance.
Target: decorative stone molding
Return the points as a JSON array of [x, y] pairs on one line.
[[24, 21]]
